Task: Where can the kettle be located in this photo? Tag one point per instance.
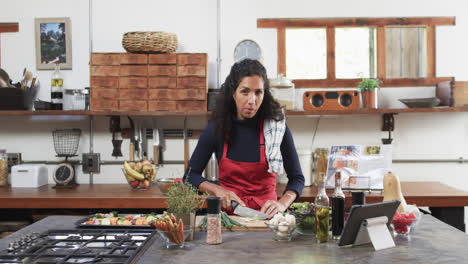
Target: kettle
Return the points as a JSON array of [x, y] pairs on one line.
[[211, 170]]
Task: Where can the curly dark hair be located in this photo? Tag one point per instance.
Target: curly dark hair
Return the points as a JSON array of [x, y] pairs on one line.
[[225, 107]]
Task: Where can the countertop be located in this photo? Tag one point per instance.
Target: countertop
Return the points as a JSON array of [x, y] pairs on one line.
[[112, 196], [432, 242]]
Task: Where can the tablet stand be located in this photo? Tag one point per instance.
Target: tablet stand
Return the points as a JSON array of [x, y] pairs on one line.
[[374, 230]]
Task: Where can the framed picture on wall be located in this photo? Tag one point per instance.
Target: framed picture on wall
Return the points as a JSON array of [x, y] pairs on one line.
[[53, 43]]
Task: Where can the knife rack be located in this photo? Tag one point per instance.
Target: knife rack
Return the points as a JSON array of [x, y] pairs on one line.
[[168, 133]]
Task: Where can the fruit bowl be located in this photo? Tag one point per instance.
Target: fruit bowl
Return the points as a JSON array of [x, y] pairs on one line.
[[174, 239], [140, 175], [165, 184], [403, 224]]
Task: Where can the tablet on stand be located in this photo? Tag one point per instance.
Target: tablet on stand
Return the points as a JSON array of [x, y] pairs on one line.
[[369, 224]]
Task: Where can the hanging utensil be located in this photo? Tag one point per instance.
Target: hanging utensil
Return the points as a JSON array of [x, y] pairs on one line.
[[155, 142]]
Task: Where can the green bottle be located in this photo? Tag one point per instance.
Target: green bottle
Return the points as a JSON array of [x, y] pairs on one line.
[[322, 211]]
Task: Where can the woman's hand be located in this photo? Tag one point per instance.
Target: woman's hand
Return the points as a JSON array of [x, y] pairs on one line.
[[225, 195], [273, 207]]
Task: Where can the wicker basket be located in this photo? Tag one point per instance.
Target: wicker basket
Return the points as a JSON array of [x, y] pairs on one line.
[[149, 42]]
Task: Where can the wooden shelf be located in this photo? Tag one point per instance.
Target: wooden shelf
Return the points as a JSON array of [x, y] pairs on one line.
[[201, 114], [94, 113]]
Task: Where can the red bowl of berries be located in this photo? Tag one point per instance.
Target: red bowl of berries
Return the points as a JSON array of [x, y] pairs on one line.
[[404, 223]]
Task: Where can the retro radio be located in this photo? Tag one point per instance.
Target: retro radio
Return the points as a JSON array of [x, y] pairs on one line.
[[331, 100]]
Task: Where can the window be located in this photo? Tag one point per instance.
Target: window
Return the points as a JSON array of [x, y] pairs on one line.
[[338, 52]]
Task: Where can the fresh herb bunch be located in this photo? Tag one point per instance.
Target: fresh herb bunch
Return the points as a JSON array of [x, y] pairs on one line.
[[183, 198], [369, 84]]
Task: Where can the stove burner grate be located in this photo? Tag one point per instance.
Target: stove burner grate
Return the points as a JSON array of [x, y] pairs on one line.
[[81, 246]]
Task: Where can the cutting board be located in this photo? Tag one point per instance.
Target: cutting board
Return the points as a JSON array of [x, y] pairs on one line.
[[249, 225]]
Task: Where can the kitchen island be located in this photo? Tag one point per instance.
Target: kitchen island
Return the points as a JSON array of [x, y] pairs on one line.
[[446, 203], [431, 242]]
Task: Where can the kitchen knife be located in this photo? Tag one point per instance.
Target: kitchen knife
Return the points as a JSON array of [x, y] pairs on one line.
[[144, 144], [155, 142], [247, 212], [137, 141], [132, 140]]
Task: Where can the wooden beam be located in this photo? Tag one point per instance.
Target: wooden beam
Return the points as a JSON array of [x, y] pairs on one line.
[[9, 27], [353, 22], [351, 83], [282, 51], [331, 72], [381, 63], [431, 53]]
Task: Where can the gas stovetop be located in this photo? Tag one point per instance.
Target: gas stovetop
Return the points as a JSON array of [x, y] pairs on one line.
[[79, 246]]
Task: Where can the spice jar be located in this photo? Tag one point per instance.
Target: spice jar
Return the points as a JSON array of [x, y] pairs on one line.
[[3, 168], [213, 223]]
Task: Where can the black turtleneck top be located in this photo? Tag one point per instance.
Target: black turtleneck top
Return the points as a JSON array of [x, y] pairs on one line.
[[244, 146]]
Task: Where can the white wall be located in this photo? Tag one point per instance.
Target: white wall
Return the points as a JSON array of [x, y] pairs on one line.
[[417, 135]]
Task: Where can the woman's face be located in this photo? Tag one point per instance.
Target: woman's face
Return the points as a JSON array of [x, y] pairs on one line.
[[249, 96]]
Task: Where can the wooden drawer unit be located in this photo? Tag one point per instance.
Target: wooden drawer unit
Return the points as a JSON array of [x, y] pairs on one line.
[[162, 70], [133, 58], [105, 71], [103, 105], [133, 82], [192, 82], [133, 94], [104, 82], [192, 59], [105, 59], [149, 82], [187, 106], [133, 105], [162, 82], [134, 70], [191, 70], [163, 105], [104, 93], [169, 58]]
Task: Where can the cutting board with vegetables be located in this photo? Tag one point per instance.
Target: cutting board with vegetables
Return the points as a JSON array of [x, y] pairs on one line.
[[249, 224]]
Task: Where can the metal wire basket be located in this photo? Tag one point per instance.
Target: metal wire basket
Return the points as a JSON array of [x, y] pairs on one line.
[[66, 141]]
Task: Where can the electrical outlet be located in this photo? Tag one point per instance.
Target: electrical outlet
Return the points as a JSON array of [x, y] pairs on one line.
[[13, 159], [91, 163]]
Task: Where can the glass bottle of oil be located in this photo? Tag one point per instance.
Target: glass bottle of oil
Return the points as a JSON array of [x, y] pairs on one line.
[[322, 212], [56, 88]]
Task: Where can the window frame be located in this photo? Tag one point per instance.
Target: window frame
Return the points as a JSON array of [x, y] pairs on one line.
[[281, 24]]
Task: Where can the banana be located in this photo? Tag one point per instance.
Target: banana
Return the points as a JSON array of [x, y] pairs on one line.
[[130, 178], [134, 174]]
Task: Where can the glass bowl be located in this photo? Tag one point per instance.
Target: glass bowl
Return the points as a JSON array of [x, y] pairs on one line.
[[403, 225], [305, 220], [175, 239], [165, 184], [281, 232], [138, 184]]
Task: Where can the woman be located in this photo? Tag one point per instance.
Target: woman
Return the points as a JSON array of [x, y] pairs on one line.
[[236, 135]]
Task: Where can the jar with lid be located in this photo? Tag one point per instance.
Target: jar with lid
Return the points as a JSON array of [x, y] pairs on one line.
[[3, 168], [213, 221], [283, 91]]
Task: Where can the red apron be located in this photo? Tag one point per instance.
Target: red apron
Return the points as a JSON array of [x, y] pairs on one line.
[[251, 181]]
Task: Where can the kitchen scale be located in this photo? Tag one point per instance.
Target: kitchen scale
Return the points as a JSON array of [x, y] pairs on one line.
[[66, 144]]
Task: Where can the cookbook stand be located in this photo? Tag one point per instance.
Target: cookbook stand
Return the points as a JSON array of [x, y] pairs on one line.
[[374, 230]]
